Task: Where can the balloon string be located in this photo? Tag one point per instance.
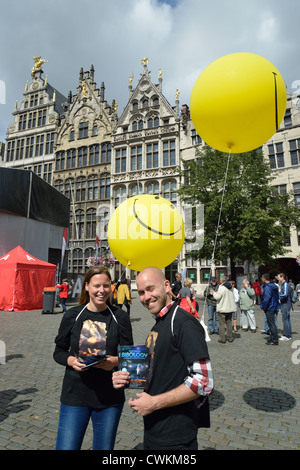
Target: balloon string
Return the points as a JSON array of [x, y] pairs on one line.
[[218, 226]]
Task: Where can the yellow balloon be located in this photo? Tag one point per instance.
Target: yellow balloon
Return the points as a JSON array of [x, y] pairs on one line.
[[238, 102], [145, 231]]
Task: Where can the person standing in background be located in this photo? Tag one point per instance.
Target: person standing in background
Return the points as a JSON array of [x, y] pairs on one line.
[[270, 305], [247, 296], [285, 305], [225, 308], [213, 323], [63, 293], [236, 299]]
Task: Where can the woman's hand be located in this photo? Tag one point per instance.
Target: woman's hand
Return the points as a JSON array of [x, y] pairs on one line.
[[108, 364], [75, 363]]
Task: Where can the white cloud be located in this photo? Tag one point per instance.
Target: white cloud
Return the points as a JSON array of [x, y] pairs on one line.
[[268, 29], [151, 19]]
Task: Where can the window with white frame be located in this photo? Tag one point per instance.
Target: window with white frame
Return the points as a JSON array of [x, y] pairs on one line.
[[276, 155], [136, 158], [169, 153], [120, 160]]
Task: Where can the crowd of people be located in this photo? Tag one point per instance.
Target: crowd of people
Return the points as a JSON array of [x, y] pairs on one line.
[[272, 294]]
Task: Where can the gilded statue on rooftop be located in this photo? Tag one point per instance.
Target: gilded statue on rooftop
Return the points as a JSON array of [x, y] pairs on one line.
[[38, 62], [84, 90]]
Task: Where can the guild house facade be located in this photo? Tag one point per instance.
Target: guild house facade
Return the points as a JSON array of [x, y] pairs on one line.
[[98, 158]]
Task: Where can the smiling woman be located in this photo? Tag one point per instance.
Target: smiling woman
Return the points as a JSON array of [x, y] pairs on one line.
[[97, 289], [89, 333]]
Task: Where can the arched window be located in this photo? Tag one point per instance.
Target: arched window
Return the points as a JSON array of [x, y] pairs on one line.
[[94, 154], [59, 185], [87, 253], [120, 195], [105, 186], [71, 158], [82, 156], [60, 161], [169, 191], [153, 122], [103, 219], [136, 189], [106, 152], [92, 187], [152, 188], [69, 189]]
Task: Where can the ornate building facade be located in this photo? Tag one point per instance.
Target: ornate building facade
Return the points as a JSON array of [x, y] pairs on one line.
[[146, 146], [83, 165], [80, 145], [30, 138]]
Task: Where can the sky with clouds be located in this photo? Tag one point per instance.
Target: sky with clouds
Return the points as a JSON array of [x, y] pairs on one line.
[[182, 37]]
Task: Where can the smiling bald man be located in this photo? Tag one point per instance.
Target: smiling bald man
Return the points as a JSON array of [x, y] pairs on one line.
[[180, 377]]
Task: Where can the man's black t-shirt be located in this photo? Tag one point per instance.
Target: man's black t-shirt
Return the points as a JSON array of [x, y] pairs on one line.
[[172, 353]]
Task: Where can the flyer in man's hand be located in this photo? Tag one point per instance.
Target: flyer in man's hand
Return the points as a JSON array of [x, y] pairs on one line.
[[135, 360]]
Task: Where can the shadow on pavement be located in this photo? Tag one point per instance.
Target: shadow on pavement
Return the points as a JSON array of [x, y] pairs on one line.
[[269, 399]]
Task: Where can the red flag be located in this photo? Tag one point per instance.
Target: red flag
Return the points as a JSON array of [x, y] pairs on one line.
[[97, 246]]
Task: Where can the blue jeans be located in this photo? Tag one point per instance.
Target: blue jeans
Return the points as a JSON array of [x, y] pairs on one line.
[[213, 323], [286, 320], [63, 304], [272, 326], [73, 421], [266, 326]]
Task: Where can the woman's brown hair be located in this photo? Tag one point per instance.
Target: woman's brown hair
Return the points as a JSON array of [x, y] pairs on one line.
[[84, 296]]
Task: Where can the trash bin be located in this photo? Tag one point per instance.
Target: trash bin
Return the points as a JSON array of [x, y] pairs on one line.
[[49, 294]]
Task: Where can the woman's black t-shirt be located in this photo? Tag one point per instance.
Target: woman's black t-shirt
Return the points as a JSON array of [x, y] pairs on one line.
[[172, 353], [92, 387]]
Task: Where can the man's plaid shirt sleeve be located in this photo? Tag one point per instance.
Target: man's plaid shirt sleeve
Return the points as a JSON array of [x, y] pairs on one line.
[[200, 378]]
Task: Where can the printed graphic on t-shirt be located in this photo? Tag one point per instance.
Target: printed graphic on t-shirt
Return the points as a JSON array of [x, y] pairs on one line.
[[150, 343], [92, 342]]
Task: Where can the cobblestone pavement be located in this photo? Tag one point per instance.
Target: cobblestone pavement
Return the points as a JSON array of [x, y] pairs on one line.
[[255, 405]]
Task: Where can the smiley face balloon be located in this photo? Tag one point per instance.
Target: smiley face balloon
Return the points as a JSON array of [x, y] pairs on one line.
[[238, 102], [145, 231]]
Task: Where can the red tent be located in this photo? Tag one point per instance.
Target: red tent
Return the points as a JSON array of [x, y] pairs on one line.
[[22, 280]]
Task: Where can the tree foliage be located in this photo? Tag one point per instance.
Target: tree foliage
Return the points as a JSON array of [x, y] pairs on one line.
[[255, 218]]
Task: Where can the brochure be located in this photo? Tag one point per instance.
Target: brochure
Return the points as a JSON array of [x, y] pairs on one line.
[[135, 360], [92, 343]]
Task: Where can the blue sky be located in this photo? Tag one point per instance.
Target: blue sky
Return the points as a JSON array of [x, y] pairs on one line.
[[180, 37]]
